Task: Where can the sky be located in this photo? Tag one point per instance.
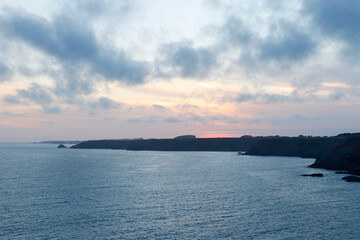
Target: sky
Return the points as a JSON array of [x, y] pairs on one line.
[[111, 69]]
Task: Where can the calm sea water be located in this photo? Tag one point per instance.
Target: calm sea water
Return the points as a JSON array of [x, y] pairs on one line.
[[112, 194]]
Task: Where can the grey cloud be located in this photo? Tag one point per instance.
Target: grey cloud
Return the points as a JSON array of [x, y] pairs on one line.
[[104, 103], [73, 43], [339, 20], [224, 118], [187, 106], [286, 44], [243, 97], [71, 82], [187, 117], [159, 107], [145, 119], [293, 46], [95, 8], [236, 33], [336, 95], [91, 7], [118, 66], [51, 109], [10, 99], [339, 94], [268, 98], [172, 120], [37, 94], [12, 114], [188, 61], [5, 72], [278, 120], [64, 38], [274, 98], [192, 117], [156, 119]]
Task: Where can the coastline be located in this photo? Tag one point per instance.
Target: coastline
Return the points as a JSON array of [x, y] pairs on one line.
[[341, 152]]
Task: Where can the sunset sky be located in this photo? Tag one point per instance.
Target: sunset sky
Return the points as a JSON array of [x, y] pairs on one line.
[[78, 70]]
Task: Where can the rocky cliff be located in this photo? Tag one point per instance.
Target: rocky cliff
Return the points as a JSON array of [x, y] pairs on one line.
[[345, 156]]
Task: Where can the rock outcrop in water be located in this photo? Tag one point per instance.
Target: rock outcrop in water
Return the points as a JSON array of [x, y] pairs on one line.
[[351, 179], [313, 175], [61, 146]]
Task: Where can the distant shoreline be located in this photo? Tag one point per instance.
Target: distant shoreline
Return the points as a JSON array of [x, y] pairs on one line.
[[330, 152], [173, 144]]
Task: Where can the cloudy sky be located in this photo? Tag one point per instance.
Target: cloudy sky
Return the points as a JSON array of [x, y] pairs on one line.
[[77, 70]]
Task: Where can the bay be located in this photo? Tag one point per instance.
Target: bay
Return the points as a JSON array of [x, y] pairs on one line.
[[47, 193]]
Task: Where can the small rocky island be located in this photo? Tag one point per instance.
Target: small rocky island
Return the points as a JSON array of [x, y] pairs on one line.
[[313, 175], [61, 146]]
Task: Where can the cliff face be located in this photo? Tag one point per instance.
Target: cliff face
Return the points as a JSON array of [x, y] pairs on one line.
[[307, 147], [341, 152], [342, 157]]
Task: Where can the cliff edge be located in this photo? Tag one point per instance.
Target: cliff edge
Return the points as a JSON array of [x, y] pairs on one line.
[[342, 157]]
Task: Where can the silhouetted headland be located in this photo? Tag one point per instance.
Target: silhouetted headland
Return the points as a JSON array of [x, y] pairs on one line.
[[181, 143], [341, 152], [345, 156], [301, 146]]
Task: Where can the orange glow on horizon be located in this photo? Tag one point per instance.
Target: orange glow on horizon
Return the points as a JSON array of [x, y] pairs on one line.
[[219, 135]]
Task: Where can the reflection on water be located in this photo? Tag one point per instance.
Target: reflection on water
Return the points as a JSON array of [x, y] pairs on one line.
[[79, 194]]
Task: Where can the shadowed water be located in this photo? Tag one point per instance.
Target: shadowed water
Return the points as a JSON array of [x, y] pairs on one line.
[[105, 194]]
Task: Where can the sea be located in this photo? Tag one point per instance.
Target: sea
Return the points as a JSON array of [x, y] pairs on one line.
[[50, 193]]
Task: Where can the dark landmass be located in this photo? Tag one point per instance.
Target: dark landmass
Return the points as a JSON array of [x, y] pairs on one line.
[[354, 171], [345, 156], [59, 142], [305, 147], [174, 144], [61, 146], [313, 175], [341, 152]]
